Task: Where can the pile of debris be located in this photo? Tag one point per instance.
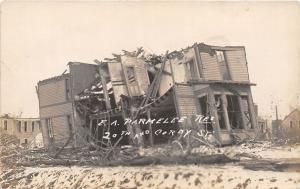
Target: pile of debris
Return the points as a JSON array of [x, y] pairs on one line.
[[13, 155]]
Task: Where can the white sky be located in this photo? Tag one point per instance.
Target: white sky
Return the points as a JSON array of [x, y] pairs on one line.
[[40, 38]]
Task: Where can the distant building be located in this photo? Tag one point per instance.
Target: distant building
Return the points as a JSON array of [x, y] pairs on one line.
[[25, 129], [291, 125]]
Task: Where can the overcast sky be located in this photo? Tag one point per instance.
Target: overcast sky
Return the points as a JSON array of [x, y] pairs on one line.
[[38, 39]]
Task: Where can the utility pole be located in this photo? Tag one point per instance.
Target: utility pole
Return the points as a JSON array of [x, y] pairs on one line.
[[276, 113]]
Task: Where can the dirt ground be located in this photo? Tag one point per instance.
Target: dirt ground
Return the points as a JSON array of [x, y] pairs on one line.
[[276, 167]]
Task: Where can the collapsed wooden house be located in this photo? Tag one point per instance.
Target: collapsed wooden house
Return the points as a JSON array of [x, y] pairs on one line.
[[124, 100]]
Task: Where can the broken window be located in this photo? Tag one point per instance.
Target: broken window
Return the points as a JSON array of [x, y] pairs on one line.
[[19, 126], [25, 126], [220, 111], [130, 74], [50, 128], [133, 86], [32, 126], [246, 112], [191, 70], [204, 109], [223, 65], [234, 113], [5, 125]]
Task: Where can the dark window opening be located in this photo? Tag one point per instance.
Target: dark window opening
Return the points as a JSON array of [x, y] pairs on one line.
[[191, 70], [25, 126], [234, 113], [19, 126], [5, 125], [204, 109], [25, 141], [218, 104], [130, 74], [32, 126], [223, 65], [246, 112], [291, 124]]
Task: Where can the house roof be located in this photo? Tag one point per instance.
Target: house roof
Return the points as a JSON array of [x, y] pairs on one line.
[[55, 78], [295, 110]]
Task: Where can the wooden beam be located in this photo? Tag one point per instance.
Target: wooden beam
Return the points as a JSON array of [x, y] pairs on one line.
[[104, 86]]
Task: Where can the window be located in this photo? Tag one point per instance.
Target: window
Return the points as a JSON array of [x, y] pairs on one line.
[[191, 70], [25, 126], [130, 74], [68, 94], [246, 112], [204, 109], [223, 65], [291, 124], [220, 111], [32, 126], [19, 126], [220, 56], [25, 141], [49, 127], [234, 113], [5, 125]]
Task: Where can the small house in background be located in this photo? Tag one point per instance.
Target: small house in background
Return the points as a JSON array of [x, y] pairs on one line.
[[290, 125], [27, 130]]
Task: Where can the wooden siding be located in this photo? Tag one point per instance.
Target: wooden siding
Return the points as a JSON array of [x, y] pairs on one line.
[[237, 63], [186, 100], [52, 93], [117, 81], [210, 66], [61, 131], [141, 73], [45, 133], [82, 76], [57, 110]]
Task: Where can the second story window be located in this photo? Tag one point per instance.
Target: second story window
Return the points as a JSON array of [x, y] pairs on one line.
[[5, 125], [191, 70], [223, 66], [32, 126], [19, 126], [25, 126], [130, 74]]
